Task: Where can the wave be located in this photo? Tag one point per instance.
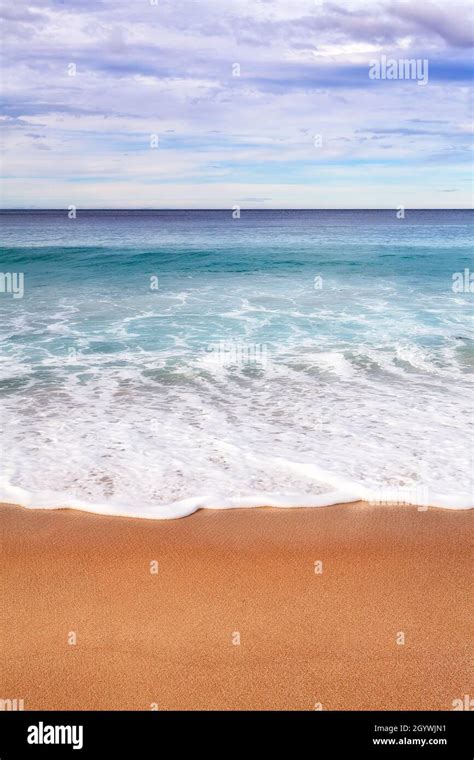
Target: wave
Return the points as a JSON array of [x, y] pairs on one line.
[[414, 496]]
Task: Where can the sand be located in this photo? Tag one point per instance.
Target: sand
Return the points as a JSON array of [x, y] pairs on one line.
[[171, 639]]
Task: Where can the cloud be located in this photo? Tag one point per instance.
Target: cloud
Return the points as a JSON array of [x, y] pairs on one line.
[[236, 92], [454, 25]]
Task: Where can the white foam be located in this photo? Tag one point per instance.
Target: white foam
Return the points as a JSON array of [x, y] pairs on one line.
[[160, 433], [116, 442]]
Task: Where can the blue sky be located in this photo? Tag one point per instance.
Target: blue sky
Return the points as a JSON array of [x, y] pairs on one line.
[[301, 125]]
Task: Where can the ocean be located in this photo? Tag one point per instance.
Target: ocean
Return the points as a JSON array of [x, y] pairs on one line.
[[154, 362]]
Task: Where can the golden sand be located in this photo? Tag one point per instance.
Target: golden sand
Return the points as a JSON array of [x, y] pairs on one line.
[[319, 599]]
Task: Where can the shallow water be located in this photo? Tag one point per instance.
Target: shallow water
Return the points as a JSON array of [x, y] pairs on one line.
[[162, 361]]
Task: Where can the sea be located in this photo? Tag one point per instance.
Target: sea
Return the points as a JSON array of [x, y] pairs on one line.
[[156, 362]]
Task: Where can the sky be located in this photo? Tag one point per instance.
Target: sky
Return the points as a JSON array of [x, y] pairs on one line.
[[224, 103]]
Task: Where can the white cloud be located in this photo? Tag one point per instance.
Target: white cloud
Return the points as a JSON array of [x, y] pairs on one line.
[[167, 70]]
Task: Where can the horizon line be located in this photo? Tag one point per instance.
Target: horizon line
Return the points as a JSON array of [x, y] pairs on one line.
[[230, 209]]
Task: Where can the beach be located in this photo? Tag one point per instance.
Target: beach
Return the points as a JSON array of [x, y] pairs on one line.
[[351, 607]]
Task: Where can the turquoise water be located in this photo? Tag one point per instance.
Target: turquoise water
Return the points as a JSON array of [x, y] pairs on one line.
[[161, 361]]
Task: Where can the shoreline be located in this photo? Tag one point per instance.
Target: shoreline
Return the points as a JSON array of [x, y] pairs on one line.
[[239, 615], [187, 507]]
